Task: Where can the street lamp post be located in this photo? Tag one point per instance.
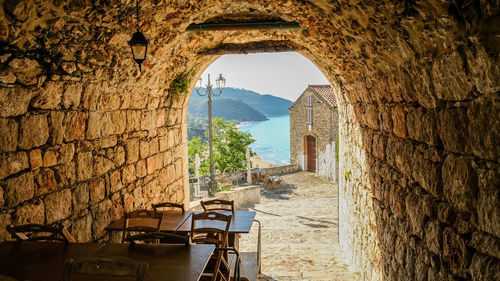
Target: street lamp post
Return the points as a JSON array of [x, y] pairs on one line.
[[220, 82]]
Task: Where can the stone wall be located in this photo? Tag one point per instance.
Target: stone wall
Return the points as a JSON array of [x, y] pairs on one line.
[[433, 178], [324, 128], [85, 135]]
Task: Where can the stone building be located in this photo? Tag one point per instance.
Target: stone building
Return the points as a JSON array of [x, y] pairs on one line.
[[85, 136], [314, 131]]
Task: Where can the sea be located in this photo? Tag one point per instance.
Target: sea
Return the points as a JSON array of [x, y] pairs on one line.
[[272, 138]]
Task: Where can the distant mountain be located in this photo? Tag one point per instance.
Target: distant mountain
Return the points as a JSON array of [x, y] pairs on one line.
[[228, 109], [265, 104]]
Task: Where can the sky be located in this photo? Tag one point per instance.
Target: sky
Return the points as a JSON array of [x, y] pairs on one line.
[[285, 75]]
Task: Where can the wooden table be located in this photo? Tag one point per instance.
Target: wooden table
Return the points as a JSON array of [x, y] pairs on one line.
[[171, 220], [240, 223], [166, 262], [44, 261], [29, 260]]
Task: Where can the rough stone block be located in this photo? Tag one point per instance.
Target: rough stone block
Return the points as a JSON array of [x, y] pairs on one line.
[[85, 166], [57, 206], [102, 165], [483, 129], [72, 96], [90, 97], [455, 252], [453, 130], [397, 200], [144, 149], [433, 236], [100, 218], [427, 173], [97, 190], [5, 219], [32, 212], [150, 164], [449, 78], [153, 146], [486, 244], [484, 268], [416, 214], [45, 182], [8, 136], [115, 181], [81, 229], [119, 157], [74, 122], [49, 158], [108, 142], [460, 183], [109, 102], [133, 120], [34, 131], [19, 189], [398, 116], [66, 174], [94, 125], [14, 101], [56, 119], [81, 196], [140, 169], [12, 163], [118, 122], [128, 174], [50, 97], [66, 153], [116, 211], [422, 126], [488, 205], [36, 159], [132, 150]]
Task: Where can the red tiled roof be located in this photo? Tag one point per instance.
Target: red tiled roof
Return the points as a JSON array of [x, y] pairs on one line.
[[326, 92]]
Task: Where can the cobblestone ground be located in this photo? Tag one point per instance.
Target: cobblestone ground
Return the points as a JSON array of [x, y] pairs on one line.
[[299, 231]]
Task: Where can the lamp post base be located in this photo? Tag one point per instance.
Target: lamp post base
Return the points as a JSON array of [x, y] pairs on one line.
[[212, 186]]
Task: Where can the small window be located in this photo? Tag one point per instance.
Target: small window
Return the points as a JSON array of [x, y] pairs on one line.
[[309, 101], [309, 116]]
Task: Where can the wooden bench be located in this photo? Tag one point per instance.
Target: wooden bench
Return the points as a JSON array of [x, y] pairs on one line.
[[248, 267]]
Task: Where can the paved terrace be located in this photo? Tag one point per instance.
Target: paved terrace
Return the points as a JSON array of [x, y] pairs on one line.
[[299, 235]]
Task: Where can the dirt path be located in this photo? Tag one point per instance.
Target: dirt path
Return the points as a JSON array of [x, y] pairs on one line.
[[299, 234]]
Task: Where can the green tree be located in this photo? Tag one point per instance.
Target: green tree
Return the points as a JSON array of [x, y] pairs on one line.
[[229, 145], [196, 146]]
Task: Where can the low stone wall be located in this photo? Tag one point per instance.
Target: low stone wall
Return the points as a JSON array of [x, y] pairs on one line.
[[242, 196]]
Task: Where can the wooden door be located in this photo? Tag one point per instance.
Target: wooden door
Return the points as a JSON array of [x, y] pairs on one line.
[[311, 153]]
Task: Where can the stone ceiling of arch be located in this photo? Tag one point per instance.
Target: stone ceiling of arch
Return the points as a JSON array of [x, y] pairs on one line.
[[345, 38]]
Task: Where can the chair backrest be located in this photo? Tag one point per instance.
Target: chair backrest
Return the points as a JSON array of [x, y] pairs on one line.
[[217, 205], [161, 237], [168, 205], [105, 266], [141, 221], [212, 228], [39, 232]]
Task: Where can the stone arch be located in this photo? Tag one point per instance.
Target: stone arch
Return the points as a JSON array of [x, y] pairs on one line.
[[419, 98]]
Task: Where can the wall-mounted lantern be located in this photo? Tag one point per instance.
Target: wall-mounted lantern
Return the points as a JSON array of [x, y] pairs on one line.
[[138, 43]]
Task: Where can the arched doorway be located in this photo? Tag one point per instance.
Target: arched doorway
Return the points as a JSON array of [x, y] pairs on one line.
[[311, 155]]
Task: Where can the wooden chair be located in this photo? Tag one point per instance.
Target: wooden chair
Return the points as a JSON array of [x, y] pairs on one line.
[[140, 221], [217, 205], [105, 266], [168, 205], [213, 228], [162, 237], [40, 232]]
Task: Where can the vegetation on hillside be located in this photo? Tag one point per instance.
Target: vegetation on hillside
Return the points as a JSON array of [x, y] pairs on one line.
[[229, 144]]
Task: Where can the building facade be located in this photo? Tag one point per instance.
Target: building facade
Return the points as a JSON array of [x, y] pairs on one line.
[[314, 131]]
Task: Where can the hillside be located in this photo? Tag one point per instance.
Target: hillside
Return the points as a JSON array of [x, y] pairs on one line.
[[265, 104], [228, 109]]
